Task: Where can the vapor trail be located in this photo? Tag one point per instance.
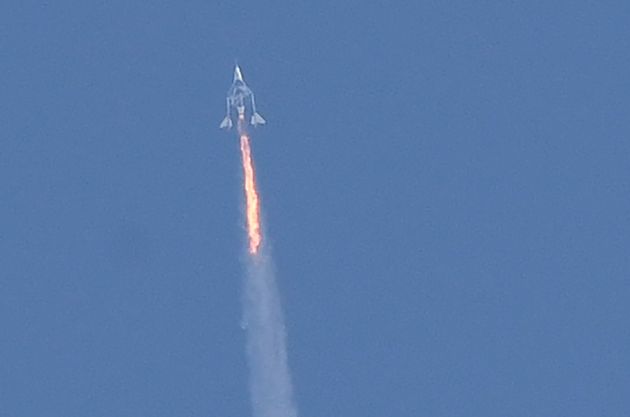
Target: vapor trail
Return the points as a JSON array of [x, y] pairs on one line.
[[270, 378]]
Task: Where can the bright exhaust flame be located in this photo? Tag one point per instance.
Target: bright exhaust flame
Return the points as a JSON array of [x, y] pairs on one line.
[[251, 197], [270, 377]]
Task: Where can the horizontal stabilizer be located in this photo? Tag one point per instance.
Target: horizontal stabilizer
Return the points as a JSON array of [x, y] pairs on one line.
[[226, 123], [257, 120]]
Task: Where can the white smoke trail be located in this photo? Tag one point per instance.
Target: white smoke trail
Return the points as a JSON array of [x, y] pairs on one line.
[[270, 378]]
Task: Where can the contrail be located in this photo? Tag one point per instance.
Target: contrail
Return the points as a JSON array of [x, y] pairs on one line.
[[270, 378]]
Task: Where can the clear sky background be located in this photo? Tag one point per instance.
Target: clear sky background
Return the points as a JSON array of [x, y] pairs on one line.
[[446, 187]]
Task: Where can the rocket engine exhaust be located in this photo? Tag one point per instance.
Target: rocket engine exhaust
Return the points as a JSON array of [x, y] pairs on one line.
[[251, 197], [270, 377]]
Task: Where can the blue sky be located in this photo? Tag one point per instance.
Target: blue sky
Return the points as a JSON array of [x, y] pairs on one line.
[[446, 187]]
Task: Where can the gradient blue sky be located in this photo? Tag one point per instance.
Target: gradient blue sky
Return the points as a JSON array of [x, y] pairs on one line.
[[446, 187]]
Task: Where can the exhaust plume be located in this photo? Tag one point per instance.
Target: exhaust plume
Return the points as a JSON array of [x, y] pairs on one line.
[[251, 197], [270, 377]]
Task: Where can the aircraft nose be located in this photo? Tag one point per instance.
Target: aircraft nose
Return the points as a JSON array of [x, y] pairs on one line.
[[237, 74]]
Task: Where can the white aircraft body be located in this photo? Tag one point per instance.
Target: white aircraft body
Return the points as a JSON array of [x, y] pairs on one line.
[[240, 104]]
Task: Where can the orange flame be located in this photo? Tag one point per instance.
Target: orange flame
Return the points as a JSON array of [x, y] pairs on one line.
[[251, 197]]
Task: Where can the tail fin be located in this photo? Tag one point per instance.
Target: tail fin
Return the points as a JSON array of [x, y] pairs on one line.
[[257, 120], [226, 123]]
